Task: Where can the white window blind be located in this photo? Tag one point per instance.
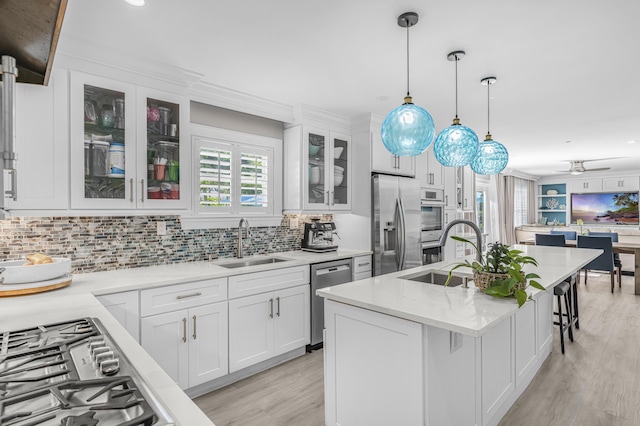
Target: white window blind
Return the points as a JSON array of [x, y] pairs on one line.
[[234, 178], [520, 202]]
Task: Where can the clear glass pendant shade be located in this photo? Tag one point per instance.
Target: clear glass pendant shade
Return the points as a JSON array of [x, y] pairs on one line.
[[456, 145], [408, 130], [492, 158]]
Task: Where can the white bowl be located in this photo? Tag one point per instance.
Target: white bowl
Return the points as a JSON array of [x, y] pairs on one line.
[[337, 151], [16, 273], [314, 175], [338, 169], [337, 179]]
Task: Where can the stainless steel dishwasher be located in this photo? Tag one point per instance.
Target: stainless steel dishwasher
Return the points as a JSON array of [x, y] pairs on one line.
[[323, 275]]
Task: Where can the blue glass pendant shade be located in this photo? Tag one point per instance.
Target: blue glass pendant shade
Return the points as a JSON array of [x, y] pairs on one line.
[[491, 159], [408, 130], [456, 145]]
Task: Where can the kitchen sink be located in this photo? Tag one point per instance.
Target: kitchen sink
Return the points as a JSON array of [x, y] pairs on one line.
[[433, 277], [252, 262]]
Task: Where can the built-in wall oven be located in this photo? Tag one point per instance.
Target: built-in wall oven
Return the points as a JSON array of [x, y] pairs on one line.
[[432, 223]]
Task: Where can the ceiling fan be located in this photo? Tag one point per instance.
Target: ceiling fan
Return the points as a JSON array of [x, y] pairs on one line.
[[577, 167]]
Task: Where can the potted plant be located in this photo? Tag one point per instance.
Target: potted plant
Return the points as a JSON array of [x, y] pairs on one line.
[[499, 272]]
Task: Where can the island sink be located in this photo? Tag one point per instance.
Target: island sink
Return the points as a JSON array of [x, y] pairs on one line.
[[434, 277], [252, 262]]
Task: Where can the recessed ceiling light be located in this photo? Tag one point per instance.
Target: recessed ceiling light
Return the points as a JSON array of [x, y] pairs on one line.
[[135, 2], [567, 141], [632, 141]]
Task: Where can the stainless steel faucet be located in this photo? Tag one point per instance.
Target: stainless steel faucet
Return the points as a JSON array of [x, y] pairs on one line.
[[245, 222], [443, 238]]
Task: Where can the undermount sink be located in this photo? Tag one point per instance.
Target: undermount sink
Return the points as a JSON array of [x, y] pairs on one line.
[[433, 277], [252, 262]]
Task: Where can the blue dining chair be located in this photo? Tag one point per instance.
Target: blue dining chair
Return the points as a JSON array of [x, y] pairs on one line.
[[568, 235], [604, 262], [567, 289], [616, 256]]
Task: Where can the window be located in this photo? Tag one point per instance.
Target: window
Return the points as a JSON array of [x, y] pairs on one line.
[[520, 202], [235, 175]]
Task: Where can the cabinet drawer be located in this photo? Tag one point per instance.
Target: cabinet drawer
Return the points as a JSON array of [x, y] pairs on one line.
[[361, 264], [361, 275], [261, 282], [180, 296]]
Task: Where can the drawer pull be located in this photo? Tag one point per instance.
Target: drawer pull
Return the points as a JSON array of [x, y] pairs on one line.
[[184, 296], [364, 264], [270, 308], [184, 330], [278, 303]]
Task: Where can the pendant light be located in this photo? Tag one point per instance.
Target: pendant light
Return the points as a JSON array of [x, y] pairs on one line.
[[456, 145], [408, 130], [492, 157]]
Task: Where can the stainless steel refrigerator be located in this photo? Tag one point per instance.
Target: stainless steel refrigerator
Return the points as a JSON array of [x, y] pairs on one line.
[[395, 224]]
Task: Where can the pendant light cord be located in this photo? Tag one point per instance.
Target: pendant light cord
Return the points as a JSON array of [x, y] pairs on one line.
[[456, 56], [408, 25], [488, 107]]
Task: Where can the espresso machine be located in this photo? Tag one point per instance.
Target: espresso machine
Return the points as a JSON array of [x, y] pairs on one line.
[[318, 236]]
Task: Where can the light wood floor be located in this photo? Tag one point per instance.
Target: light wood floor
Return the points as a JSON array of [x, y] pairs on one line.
[[597, 381]]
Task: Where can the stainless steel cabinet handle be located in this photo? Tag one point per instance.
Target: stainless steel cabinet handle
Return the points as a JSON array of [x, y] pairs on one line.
[[271, 308], [142, 190], [446, 200], [184, 296], [332, 198], [194, 327], [327, 203], [278, 307], [131, 190], [184, 330], [364, 264]]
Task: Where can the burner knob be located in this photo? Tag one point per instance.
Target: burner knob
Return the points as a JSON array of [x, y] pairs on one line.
[[101, 350], [103, 356], [96, 344], [110, 367]]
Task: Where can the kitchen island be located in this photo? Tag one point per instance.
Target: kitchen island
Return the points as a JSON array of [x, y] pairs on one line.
[[405, 352]]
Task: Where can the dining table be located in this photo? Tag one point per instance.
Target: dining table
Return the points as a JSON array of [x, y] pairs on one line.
[[618, 247]]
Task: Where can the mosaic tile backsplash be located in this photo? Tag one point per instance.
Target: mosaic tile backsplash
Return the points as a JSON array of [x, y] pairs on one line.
[[117, 242]]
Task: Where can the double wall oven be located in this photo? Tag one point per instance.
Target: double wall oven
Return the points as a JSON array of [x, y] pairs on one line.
[[432, 223]]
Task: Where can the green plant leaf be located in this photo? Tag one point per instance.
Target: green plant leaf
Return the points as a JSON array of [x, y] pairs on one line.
[[536, 284], [521, 296]]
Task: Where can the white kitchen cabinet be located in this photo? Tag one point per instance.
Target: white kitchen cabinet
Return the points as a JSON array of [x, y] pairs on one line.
[[190, 344], [125, 308], [265, 325], [317, 174], [497, 368], [586, 185], [449, 176], [112, 142], [526, 350], [384, 162], [544, 320], [629, 183], [42, 133], [465, 188], [450, 248], [434, 173], [362, 267]]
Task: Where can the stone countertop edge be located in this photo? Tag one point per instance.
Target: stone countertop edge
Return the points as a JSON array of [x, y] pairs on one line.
[[78, 300], [466, 311]]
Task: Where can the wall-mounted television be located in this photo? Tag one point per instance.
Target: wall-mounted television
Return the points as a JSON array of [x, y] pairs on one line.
[[613, 208]]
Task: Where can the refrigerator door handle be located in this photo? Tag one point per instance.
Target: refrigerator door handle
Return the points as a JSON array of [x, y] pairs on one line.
[[401, 234], [396, 225]]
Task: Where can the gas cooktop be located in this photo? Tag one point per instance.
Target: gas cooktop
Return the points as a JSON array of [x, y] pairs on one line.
[[72, 374]]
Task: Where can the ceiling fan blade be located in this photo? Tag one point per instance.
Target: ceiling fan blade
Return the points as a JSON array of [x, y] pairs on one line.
[[598, 169]]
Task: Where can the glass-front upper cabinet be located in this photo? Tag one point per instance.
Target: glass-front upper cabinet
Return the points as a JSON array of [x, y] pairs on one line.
[[102, 140], [328, 183], [163, 126]]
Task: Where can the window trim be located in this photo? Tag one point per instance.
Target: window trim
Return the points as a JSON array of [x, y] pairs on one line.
[[271, 216]]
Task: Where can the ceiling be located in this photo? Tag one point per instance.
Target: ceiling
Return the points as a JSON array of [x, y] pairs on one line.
[[568, 85]]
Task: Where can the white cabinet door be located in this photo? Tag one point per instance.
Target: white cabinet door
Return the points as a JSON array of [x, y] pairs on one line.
[[208, 349], [449, 176], [450, 247], [385, 162], [165, 338], [544, 305], [292, 319], [497, 368], [586, 185], [468, 189], [94, 129], [621, 184], [125, 309], [435, 171], [43, 160], [525, 341], [250, 330]]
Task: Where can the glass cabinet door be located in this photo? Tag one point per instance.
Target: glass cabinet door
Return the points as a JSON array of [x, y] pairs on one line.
[[102, 123], [341, 174], [316, 191]]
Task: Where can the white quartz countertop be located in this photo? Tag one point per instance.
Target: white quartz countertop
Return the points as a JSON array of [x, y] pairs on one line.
[[463, 310], [77, 301]]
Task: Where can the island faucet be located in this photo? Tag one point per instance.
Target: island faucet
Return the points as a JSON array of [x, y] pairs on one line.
[[244, 222], [443, 238]]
